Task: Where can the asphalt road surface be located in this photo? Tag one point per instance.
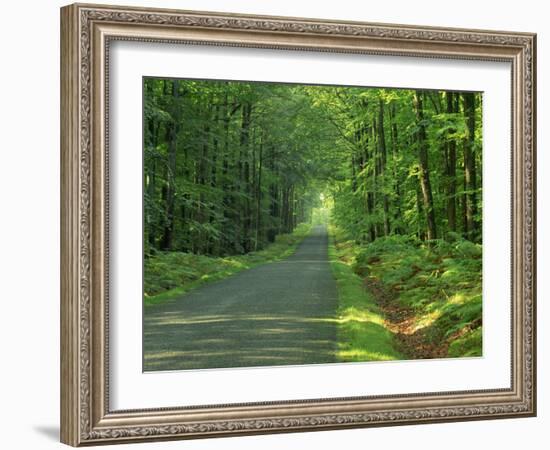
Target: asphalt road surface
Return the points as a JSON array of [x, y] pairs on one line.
[[279, 313]]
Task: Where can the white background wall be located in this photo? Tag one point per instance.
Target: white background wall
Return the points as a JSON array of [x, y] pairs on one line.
[[29, 222]]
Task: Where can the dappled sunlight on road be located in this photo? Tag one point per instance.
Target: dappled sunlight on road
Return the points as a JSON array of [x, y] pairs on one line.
[[282, 313]]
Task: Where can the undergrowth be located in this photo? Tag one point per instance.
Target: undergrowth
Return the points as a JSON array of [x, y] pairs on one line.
[[362, 335], [438, 283], [170, 274]]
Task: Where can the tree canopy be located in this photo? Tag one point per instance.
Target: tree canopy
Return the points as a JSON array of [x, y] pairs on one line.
[[230, 165]]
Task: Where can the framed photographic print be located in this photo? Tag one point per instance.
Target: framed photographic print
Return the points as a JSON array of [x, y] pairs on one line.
[[274, 224]]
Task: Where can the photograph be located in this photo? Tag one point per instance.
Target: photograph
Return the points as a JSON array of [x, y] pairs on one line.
[[295, 224]]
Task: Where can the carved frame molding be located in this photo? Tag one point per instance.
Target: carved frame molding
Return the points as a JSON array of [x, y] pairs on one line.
[[86, 31]]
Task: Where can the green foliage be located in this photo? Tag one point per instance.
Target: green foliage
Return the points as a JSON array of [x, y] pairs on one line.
[[440, 281], [362, 335], [229, 165], [382, 193], [231, 168], [468, 345]]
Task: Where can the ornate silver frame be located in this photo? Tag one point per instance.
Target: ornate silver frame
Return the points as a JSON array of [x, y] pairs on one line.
[[86, 31]]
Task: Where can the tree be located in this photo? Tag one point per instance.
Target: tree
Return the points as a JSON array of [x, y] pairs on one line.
[[470, 182], [424, 172], [229, 165]]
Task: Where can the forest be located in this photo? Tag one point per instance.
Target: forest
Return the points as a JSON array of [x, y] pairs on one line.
[[235, 174]]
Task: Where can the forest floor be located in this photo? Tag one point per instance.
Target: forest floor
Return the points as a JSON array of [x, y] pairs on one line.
[[280, 313], [325, 299], [363, 334], [428, 296]]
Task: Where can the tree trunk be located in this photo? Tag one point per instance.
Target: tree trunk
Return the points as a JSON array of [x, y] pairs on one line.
[[451, 169], [370, 195], [243, 177], [273, 198], [154, 129], [420, 214], [382, 151], [470, 166], [171, 137], [201, 241], [259, 196], [375, 229], [424, 175], [396, 184]]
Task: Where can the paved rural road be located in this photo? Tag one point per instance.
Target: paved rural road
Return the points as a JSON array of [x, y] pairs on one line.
[[274, 314]]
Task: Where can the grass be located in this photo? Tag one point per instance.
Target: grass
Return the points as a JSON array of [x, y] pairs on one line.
[[168, 275], [440, 283], [362, 335]]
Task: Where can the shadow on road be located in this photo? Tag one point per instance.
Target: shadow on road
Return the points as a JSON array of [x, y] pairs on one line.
[[276, 314]]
